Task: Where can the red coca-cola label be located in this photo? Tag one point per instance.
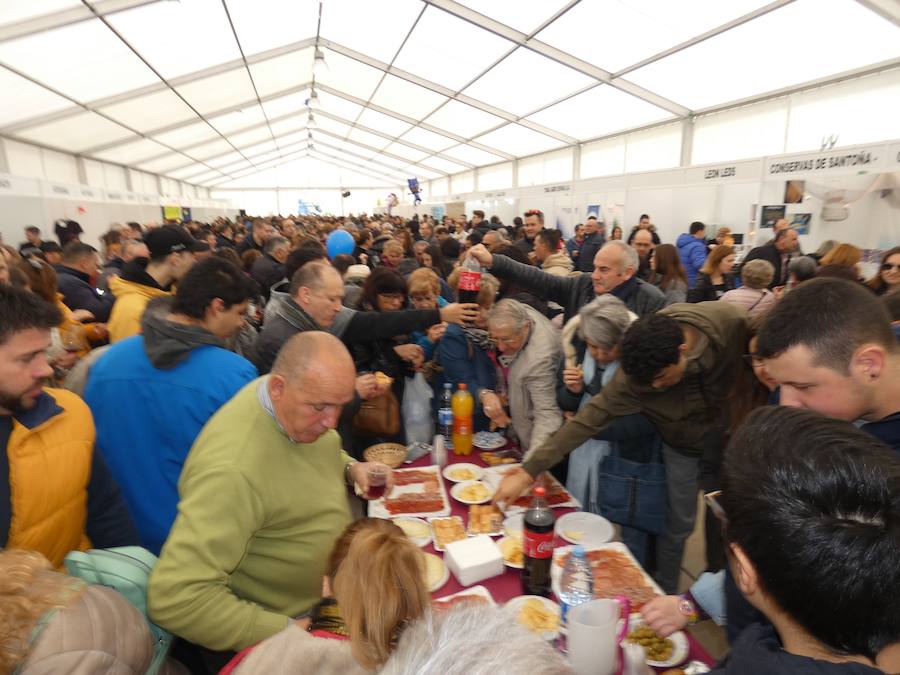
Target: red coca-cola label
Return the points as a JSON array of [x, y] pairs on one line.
[[469, 280], [538, 544]]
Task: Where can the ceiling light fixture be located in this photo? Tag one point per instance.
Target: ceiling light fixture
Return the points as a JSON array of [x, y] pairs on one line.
[[313, 101], [319, 68], [311, 122]]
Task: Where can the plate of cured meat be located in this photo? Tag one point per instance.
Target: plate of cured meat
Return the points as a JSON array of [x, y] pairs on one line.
[[417, 493], [616, 572], [557, 496]]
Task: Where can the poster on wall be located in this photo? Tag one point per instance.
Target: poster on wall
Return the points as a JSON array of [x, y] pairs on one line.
[[794, 191], [594, 210], [801, 222], [172, 213], [771, 215], [437, 212]]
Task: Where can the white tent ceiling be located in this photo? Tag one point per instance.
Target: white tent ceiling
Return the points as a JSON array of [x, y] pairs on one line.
[[215, 92]]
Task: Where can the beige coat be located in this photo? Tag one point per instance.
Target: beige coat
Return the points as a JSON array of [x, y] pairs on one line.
[[532, 383], [101, 632], [558, 264], [295, 651]]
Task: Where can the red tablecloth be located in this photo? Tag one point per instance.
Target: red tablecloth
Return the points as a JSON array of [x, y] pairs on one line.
[[509, 584]]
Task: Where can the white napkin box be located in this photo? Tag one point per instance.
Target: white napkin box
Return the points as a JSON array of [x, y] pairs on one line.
[[473, 559]]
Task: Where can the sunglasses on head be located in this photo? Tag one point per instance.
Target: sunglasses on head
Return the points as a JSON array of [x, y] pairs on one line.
[[534, 212]]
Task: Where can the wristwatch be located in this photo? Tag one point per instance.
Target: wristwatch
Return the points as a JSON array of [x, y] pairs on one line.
[[347, 467], [688, 609]]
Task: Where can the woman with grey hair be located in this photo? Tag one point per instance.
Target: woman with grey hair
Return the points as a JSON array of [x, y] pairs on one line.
[[591, 342], [529, 354], [754, 295]]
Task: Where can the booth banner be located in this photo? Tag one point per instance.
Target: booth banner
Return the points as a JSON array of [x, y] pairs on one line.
[[863, 160]]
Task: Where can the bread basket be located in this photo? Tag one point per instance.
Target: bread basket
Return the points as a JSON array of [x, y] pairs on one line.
[[391, 454]]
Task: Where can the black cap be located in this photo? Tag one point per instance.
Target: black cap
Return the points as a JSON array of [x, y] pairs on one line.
[[170, 239]]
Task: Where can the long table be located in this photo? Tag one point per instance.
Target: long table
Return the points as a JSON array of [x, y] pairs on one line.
[[508, 585]]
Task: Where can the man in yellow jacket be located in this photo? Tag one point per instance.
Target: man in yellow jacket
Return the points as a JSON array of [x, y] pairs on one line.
[[171, 256], [56, 494]]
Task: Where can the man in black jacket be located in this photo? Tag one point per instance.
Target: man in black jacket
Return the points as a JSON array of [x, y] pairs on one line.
[[315, 302], [614, 272], [76, 276], [778, 252], [269, 269], [810, 512], [590, 246], [534, 223]]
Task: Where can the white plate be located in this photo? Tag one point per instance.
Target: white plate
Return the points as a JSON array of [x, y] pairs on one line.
[[457, 489], [478, 591], [445, 574], [434, 539], [508, 564], [556, 569], [516, 604], [680, 647], [477, 472], [418, 541], [595, 530], [514, 525], [377, 508], [488, 440]]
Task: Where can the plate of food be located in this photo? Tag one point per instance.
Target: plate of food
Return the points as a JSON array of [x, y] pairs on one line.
[[417, 493], [557, 496], [587, 529], [488, 440], [661, 652], [511, 550], [436, 572], [416, 529], [446, 530], [615, 570], [461, 472], [514, 525], [485, 519], [537, 614], [498, 458], [474, 595], [472, 492]]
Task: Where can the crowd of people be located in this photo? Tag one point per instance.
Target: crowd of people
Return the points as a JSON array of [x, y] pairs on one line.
[[206, 392]]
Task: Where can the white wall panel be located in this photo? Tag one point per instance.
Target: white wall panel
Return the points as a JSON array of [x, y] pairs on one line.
[[24, 159], [59, 166]]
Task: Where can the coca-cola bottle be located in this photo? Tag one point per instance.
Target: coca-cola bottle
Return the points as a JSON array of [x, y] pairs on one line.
[[469, 280], [537, 545]]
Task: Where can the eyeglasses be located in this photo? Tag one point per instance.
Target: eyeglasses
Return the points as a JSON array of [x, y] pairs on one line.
[[889, 266], [753, 360], [712, 502], [391, 296]]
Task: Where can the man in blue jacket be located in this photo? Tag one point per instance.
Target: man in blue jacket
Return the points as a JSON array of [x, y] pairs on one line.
[[151, 394], [692, 251]]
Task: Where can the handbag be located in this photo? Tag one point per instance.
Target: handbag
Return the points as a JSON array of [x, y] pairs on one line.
[[379, 416], [632, 493]]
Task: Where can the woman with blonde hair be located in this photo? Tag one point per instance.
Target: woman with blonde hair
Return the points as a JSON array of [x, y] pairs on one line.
[[715, 277], [377, 577], [53, 623]]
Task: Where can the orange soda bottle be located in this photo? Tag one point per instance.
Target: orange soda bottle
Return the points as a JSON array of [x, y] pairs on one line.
[[462, 406]]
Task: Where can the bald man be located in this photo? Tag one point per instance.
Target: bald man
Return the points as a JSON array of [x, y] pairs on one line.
[[263, 497]]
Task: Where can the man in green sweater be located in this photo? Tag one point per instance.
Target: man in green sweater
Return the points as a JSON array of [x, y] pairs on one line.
[[263, 497]]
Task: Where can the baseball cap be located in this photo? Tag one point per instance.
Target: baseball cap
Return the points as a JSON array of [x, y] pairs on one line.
[[170, 239]]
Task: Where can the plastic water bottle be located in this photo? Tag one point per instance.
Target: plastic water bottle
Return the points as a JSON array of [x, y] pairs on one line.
[[576, 585], [445, 416]]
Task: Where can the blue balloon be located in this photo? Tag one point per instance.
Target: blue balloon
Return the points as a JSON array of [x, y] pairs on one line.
[[338, 242]]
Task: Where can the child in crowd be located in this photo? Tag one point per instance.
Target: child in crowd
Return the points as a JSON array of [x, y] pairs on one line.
[[373, 586]]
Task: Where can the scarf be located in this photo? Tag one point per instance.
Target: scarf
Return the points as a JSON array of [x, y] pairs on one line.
[[478, 337], [296, 316], [326, 616]]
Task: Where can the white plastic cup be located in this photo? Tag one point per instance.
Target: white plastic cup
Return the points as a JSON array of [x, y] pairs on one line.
[[438, 451], [592, 630]]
